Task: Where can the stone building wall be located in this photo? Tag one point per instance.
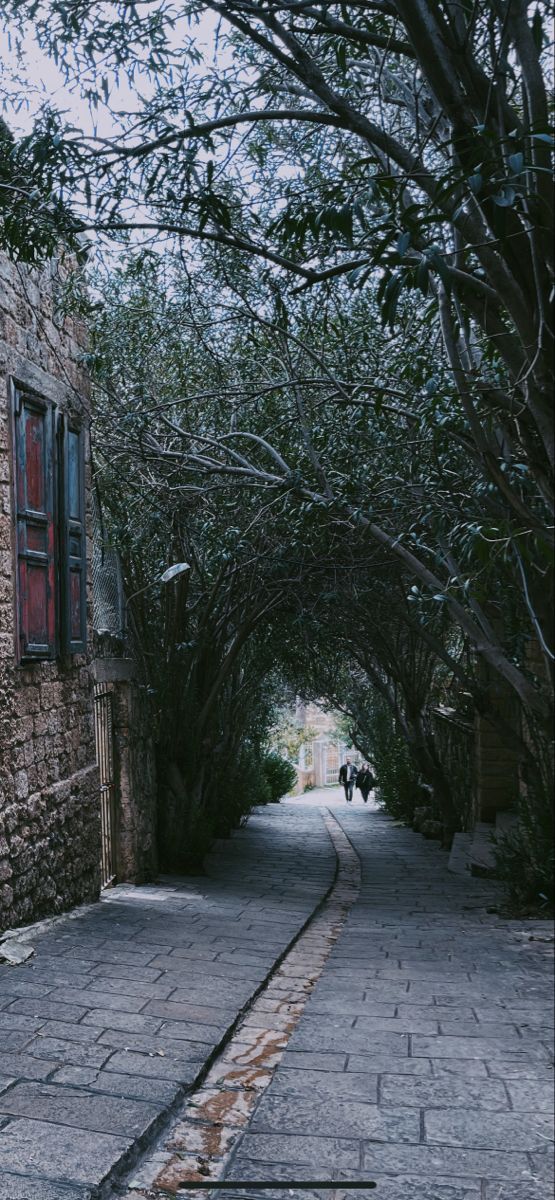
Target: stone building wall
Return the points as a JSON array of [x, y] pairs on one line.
[[136, 776], [49, 808]]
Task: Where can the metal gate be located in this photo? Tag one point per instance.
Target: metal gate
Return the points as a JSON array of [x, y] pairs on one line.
[[103, 728], [333, 762]]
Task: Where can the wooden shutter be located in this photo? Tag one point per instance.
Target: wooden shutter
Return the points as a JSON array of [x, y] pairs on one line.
[[74, 571], [35, 526]]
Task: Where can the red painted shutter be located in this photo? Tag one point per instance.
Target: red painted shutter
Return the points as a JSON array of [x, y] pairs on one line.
[[74, 579], [34, 485]]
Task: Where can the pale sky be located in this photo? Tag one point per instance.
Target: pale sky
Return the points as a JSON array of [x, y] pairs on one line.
[[43, 81]]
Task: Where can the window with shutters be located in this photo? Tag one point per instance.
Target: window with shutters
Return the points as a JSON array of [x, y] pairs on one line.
[[49, 497]]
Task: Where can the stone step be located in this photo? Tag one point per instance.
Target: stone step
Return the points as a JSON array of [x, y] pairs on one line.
[[473, 853], [506, 821], [482, 857], [459, 858]]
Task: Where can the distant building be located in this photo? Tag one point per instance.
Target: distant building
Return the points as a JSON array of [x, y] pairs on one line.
[[321, 756]]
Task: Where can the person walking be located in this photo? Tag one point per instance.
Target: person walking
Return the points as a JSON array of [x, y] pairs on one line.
[[365, 781], [347, 776]]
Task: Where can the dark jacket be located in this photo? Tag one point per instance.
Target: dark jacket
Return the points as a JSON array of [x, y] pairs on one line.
[[343, 772], [365, 781]]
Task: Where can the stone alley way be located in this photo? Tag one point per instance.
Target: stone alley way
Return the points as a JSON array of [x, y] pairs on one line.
[[221, 1028]]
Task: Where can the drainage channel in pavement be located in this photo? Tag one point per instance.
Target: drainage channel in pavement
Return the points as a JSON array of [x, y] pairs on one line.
[[199, 1144]]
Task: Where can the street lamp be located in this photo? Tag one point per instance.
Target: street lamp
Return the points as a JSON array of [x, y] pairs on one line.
[[173, 572]]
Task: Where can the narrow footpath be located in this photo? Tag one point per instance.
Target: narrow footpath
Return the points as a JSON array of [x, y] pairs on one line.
[[328, 1003]]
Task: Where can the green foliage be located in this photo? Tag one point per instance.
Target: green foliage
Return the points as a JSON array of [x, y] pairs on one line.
[[34, 222], [280, 774], [244, 786], [396, 780], [288, 736], [187, 827], [347, 623], [211, 450], [525, 856]]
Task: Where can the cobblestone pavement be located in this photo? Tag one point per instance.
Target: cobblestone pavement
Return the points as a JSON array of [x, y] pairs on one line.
[[123, 1005], [403, 1039], [414, 1053]]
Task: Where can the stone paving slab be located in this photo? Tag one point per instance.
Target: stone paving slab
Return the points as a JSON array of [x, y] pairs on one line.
[[62, 1155], [123, 1004], [79, 1108], [16, 1187], [445, 1093], [319, 1084]]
